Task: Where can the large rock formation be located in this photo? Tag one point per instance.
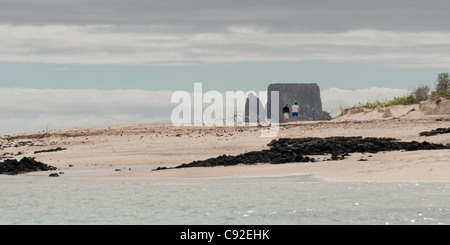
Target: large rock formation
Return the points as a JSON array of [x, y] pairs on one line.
[[307, 96], [254, 110]]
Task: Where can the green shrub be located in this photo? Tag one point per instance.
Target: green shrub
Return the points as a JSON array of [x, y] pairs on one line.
[[442, 86], [421, 93], [405, 100]]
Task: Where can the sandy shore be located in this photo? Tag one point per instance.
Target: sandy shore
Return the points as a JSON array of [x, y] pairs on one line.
[[134, 151]]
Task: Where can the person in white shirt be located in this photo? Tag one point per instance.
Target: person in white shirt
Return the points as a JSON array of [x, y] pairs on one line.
[[295, 112]]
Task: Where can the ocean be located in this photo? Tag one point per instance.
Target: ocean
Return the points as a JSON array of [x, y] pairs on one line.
[[38, 200]]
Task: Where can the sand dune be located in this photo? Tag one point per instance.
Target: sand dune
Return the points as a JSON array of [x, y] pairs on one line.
[[433, 108]]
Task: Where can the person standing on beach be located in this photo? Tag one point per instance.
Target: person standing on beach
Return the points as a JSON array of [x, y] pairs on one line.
[[286, 113], [295, 112]]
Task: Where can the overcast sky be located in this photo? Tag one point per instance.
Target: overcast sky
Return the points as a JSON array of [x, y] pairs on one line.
[[218, 15], [117, 46]]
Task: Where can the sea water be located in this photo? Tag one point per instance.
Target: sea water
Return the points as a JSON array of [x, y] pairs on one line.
[[39, 200]]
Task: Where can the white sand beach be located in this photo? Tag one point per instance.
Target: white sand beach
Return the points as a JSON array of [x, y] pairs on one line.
[[134, 151]]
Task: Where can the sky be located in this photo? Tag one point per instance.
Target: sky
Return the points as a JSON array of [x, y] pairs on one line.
[[83, 63]]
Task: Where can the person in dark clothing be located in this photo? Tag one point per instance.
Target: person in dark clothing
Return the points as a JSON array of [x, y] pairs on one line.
[[286, 113]]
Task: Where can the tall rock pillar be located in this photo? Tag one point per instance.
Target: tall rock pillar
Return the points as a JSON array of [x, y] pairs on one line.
[[307, 96]]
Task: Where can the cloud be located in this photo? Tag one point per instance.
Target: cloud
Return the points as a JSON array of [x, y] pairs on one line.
[[334, 100], [30, 110], [207, 15], [103, 44], [68, 100], [408, 33]]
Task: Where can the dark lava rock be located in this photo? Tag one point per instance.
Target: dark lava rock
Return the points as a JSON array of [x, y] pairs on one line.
[[14, 167], [435, 131], [345, 145], [286, 150], [51, 150], [53, 175]]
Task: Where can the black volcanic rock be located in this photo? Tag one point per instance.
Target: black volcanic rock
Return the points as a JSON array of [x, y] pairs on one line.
[[286, 150], [26, 164], [435, 132], [51, 150]]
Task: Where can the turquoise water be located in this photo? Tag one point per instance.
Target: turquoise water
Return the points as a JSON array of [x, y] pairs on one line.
[[60, 201]]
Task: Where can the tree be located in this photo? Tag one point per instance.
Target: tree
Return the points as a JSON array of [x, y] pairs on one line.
[[421, 93], [442, 85]]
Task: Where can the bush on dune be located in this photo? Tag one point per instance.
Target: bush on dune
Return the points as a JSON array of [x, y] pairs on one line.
[[421, 93]]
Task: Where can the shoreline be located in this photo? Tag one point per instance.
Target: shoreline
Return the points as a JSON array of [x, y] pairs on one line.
[[132, 152]]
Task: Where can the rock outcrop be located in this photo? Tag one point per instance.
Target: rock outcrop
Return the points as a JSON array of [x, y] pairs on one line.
[[307, 96], [287, 150], [435, 132], [25, 165]]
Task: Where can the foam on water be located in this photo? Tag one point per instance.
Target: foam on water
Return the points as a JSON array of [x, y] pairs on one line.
[[60, 201]]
